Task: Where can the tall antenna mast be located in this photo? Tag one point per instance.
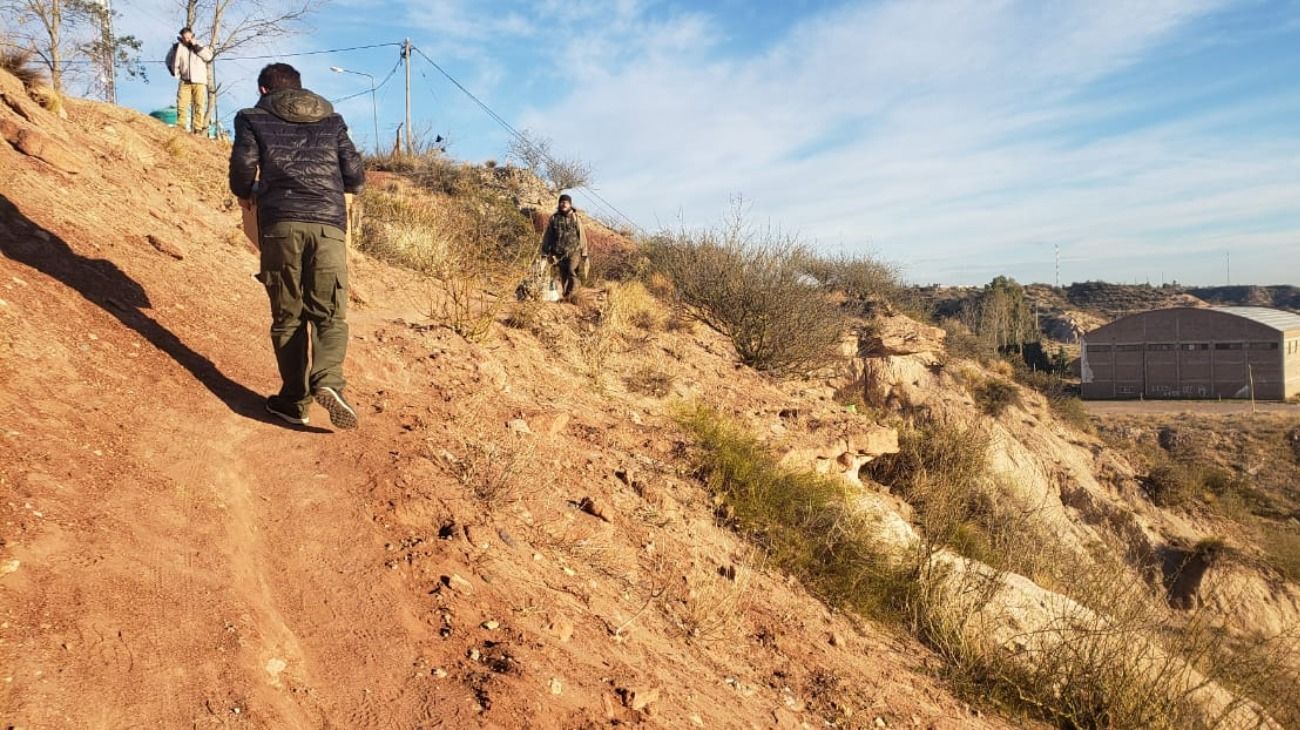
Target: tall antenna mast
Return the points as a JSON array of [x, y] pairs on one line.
[[1058, 265]]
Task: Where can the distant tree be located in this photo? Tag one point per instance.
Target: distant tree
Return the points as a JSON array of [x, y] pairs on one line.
[[1000, 315], [107, 51], [534, 152]]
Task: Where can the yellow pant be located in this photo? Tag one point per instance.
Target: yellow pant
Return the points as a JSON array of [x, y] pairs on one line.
[[192, 95]]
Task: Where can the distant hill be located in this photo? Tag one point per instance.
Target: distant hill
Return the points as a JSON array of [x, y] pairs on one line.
[[1281, 296], [1066, 312]]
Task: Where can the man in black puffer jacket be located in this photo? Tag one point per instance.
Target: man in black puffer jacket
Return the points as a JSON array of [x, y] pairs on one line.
[[293, 156]]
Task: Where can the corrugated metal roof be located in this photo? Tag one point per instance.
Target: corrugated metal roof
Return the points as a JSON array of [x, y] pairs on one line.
[[1278, 319]]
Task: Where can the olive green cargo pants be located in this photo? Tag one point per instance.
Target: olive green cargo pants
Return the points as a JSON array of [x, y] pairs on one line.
[[305, 270]]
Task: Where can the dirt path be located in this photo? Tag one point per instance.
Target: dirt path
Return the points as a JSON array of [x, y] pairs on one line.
[[217, 548], [1200, 408]]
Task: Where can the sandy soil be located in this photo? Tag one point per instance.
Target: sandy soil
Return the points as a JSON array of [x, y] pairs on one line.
[[170, 558]]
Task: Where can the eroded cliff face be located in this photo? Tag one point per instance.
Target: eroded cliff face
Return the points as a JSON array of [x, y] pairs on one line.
[[1083, 501]]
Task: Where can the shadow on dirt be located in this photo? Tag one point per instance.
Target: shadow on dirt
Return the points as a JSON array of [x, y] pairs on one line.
[[106, 286]]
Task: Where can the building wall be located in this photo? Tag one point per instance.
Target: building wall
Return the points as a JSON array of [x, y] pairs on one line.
[[1188, 353], [1291, 366]]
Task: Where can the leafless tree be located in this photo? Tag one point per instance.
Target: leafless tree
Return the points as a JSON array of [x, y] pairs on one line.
[[535, 153], [44, 25]]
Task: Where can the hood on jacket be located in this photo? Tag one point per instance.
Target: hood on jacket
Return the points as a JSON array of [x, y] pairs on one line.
[[296, 105]]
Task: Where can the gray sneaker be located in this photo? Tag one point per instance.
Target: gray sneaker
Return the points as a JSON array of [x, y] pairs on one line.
[[288, 412], [342, 415]]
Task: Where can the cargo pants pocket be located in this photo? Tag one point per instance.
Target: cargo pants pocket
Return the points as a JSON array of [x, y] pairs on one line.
[[286, 307]]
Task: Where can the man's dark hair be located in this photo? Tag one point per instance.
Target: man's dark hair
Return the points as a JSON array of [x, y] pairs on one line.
[[279, 76], [185, 30], [564, 198]]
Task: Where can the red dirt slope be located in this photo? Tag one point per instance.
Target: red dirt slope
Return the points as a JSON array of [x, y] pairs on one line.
[[171, 559]]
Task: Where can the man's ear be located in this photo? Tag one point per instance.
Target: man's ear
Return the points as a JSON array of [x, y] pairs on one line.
[[263, 90]]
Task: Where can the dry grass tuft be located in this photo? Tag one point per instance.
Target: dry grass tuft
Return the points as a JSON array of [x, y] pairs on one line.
[[802, 523], [476, 249], [995, 396], [709, 603], [175, 147], [632, 304], [650, 380], [525, 315], [490, 471], [21, 63]]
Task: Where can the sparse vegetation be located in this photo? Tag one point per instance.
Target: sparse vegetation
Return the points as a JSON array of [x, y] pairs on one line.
[[21, 63], [1281, 544], [489, 471], [559, 173], [475, 247], [750, 286], [861, 278], [525, 315], [1171, 484], [803, 522], [649, 380], [994, 396], [1132, 665], [1062, 396]]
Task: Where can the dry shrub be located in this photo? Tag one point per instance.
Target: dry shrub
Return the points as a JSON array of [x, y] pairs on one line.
[[535, 153], [489, 471], [861, 277], [21, 63], [749, 285], [613, 256], [994, 396]]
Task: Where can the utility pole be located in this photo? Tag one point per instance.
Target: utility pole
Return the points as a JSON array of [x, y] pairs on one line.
[[110, 66], [1227, 265], [1250, 373], [406, 56], [1058, 265]]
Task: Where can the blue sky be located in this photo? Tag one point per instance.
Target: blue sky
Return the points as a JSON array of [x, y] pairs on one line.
[[960, 138]]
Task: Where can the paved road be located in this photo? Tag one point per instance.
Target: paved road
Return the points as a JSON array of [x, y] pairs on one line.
[[1154, 407]]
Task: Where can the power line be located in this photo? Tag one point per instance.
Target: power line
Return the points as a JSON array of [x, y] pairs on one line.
[[521, 137], [80, 61], [308, 53], [387, 78]]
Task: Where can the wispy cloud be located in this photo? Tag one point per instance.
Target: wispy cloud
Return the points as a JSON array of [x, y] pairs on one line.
[[932, 132]]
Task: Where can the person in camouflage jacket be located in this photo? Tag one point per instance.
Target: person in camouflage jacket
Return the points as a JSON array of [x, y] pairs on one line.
[[565, 244]]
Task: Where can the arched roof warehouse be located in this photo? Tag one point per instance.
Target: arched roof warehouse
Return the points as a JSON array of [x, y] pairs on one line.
[[1188, 352]]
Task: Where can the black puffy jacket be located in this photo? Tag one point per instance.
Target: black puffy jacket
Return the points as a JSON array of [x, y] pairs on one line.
[[305, 158]]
